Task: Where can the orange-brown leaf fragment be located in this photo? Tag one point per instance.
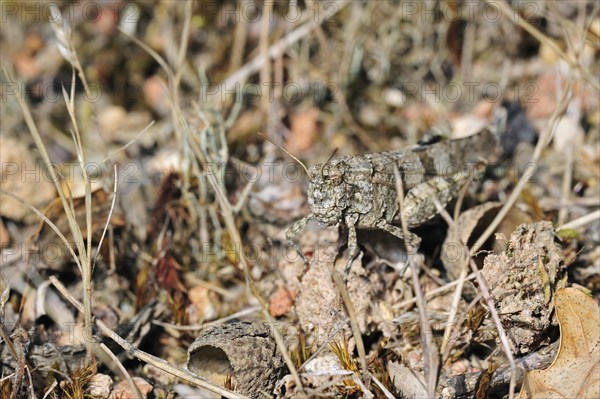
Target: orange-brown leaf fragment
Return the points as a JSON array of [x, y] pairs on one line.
[[575, 373], [281, 302]]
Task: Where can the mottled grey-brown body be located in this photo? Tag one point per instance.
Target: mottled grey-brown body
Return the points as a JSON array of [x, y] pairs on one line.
[[360, 191]]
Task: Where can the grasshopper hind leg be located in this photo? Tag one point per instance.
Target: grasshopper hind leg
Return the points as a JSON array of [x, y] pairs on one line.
[[412, 241]]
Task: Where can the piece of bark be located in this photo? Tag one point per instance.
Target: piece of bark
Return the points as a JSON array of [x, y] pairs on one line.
[[245, 352]]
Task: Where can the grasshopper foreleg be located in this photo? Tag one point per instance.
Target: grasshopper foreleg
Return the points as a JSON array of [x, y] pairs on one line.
[[293, 231], [351, 220]]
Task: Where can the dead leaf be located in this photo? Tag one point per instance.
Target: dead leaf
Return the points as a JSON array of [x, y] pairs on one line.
[[23, 176], [468, 228], [575, 373]]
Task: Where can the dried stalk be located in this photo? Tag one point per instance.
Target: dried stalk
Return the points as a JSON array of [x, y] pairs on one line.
[[430, 351]]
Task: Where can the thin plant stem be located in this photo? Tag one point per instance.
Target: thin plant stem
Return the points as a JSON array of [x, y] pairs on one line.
[[430, 351]]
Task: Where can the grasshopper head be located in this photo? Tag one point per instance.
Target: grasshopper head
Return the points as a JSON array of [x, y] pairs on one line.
[[327, 192]]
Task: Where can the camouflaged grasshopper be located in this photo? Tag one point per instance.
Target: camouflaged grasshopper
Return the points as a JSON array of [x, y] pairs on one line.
[[360, 191]]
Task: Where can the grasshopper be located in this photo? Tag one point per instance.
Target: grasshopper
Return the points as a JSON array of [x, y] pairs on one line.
[[360, 191]]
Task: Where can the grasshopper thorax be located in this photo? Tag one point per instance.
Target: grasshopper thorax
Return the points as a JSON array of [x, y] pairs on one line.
[[327, 192]]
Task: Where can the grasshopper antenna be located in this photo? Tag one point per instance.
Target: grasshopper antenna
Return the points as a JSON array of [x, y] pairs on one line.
[[287, 152], [329, 159]]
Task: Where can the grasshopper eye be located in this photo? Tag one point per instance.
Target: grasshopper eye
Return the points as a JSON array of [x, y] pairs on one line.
[[336, 180]]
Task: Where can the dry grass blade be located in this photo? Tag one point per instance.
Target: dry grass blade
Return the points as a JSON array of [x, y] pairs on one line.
[[124, 373], [86, 257], [503, 338], [385, 391], [433, 293], [444, 349], [50, 389], [263, 43], [84, 262], [282, 347], [581, 221], [360, 346], [124, 147], [4, 293], [430, 351], [110, 212]]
